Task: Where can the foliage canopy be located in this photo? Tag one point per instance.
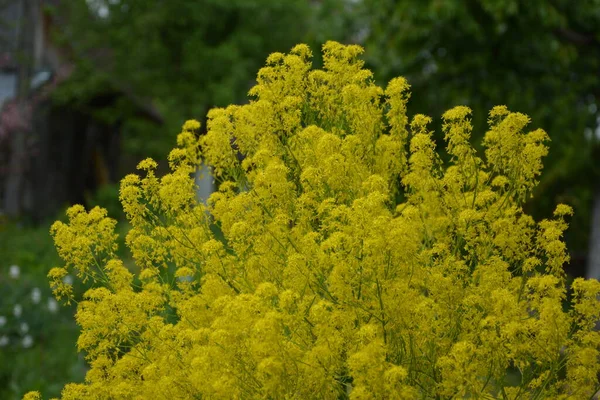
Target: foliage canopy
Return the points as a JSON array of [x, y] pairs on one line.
[[328, 282], [186, 56]]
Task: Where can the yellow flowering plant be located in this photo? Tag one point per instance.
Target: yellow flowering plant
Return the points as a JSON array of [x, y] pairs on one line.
[[353, 262]]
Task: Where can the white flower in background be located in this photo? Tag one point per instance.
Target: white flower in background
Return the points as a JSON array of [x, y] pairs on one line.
[[27, 341], [36, 295], [17, 310], [24, 327], [3, 340], [14, 271], [2, 320], [52, 305], [68, 279]]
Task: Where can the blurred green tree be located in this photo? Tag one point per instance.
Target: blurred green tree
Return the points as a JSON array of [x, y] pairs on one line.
[[539, 57], [187, 55]]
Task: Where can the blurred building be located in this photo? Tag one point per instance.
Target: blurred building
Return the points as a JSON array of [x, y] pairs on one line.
[[52, 154]]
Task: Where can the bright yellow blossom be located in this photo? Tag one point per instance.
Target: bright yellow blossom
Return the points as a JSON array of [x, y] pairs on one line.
[[353, 263]]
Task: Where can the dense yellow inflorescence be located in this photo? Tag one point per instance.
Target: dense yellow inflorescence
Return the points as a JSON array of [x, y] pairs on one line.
[[352, 261]]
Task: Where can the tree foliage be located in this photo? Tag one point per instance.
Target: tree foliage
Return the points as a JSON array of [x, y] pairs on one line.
[[185, 56], [325, 283]]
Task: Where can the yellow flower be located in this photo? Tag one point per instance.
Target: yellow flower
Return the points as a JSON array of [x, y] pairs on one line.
[[350, 261]]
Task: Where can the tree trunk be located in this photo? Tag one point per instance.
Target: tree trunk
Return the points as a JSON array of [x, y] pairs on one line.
[[15, 180]]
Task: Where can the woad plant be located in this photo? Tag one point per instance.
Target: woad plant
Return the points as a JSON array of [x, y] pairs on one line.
[[339, 258]]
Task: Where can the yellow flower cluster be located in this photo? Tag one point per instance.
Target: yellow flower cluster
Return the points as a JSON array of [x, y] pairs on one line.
[[353, 263]]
